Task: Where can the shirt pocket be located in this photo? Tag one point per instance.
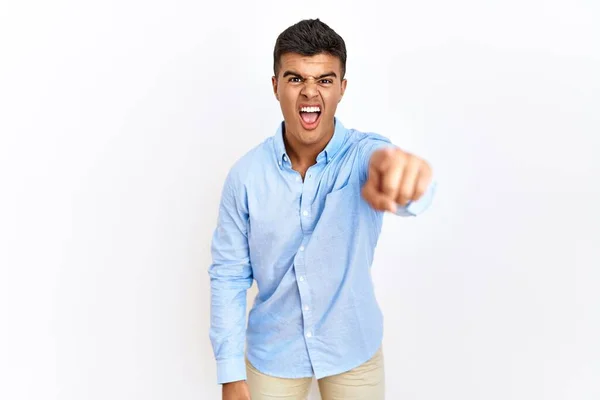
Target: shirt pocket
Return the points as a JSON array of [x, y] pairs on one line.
[[340, 211]]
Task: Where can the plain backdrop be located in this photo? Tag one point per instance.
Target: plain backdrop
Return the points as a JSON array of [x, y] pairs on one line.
[[120, 119]]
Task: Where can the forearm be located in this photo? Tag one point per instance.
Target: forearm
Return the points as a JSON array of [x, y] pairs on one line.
[[229, 284]]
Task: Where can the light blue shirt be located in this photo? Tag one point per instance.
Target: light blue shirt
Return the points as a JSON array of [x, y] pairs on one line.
[[309, 246]]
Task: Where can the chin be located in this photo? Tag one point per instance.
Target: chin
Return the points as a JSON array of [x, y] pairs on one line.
[[313, 135], [311, 138]]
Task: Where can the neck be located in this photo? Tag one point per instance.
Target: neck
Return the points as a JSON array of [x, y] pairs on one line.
[[304, 155]]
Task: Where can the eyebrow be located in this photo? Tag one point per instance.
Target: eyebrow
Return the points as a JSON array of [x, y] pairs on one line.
[[295, 74]]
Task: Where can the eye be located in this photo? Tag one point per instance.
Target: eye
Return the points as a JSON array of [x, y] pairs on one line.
[[326, 81], [295, 79]]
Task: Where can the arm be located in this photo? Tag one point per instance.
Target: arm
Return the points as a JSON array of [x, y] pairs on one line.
[[395, 180], [230, 277]]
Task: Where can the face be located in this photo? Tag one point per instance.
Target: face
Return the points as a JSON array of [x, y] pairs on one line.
[[309, 89]]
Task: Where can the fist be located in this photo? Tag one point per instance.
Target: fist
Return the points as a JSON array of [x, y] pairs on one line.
[[395, 178], [236, 391]]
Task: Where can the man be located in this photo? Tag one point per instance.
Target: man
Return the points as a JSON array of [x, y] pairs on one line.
[[301, 214]]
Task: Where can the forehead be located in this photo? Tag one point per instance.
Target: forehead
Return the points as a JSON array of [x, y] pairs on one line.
[[310, 65]]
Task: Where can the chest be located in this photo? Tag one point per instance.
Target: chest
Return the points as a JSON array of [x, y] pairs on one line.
[[282, 203]]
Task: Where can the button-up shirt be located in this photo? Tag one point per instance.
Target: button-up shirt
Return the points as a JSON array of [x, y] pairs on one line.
[[309, 244]]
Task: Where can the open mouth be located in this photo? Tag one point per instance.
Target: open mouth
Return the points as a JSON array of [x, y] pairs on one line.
[[310, 116]]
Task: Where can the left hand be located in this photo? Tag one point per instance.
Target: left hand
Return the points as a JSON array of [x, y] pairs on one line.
[[395, 178]]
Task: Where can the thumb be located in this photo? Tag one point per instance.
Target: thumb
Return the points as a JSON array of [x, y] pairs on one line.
[[380, 160]]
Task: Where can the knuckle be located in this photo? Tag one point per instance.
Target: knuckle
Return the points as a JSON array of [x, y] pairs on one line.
[[400, 157], [385, 154], [414, 161], [386, 186], [404, 155], [422, 186], [423, 166]]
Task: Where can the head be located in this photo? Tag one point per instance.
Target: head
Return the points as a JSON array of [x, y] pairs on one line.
[[309, 80]]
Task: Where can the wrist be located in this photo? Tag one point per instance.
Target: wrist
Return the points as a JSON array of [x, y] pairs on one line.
[[234, 383]]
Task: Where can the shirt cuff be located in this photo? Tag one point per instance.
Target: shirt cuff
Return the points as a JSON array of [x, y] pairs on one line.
[[415, 208], [231, 370]]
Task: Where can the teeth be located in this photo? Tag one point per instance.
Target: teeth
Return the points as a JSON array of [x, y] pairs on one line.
[[310, 109]]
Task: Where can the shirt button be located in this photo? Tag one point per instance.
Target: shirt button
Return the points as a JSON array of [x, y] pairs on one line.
[[297, 179], [305, 213], [301, 248], [306, 308], [309, 335], [301, 279]]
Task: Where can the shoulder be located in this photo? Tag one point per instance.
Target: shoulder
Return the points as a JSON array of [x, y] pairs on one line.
[[249, 164], [366, 142], [363, 145]]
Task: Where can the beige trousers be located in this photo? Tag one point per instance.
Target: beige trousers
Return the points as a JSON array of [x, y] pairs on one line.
[[365, 382]]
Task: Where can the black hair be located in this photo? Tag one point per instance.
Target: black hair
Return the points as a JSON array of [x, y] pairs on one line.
[[308, 38]]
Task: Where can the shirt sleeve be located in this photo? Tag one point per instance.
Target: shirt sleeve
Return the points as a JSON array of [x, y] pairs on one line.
[[414, 208], [376, 142], [230, 278]]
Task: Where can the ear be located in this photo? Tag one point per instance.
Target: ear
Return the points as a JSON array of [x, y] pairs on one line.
[[274, 83], [343, 88]]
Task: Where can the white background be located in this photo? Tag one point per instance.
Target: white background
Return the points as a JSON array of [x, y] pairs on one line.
[[120, 119]]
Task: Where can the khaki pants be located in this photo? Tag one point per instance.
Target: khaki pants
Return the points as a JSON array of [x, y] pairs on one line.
[[365, 382]]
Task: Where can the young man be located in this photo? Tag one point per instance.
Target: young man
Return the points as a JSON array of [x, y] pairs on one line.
[[301, 214]]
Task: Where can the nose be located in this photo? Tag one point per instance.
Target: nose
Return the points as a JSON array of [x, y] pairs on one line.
[[310, 88]]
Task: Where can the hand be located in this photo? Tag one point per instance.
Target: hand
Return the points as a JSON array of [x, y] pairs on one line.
[[236, 391], [395, 178]]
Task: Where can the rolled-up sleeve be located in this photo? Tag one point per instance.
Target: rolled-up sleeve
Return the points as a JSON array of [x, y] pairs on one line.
[[230, 276]]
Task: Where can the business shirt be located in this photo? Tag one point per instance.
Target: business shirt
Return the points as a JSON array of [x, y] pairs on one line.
[[309, 246]]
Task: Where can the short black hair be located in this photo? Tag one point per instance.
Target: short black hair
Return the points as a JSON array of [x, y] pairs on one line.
[[308, 38]]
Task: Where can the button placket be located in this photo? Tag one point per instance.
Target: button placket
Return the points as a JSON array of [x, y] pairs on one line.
[[303, 289], [300, 266]]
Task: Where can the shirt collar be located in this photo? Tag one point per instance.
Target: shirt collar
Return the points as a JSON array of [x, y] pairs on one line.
[[335, 143]]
